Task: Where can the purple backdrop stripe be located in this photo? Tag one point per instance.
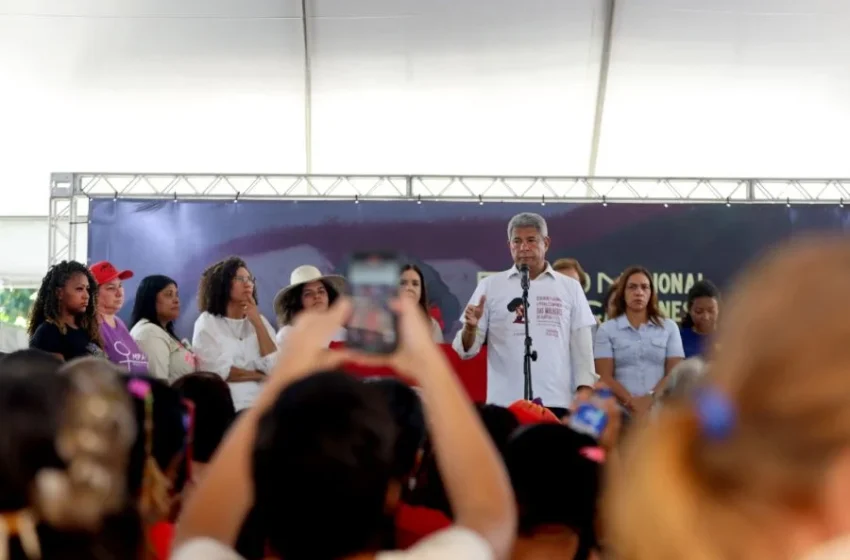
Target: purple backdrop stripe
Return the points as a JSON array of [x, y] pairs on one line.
[[451, 241]]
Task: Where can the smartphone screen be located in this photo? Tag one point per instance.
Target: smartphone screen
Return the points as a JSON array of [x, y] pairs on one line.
[[374, 279]]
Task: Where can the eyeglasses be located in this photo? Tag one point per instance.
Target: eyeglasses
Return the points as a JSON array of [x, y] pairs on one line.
[[245, 279]]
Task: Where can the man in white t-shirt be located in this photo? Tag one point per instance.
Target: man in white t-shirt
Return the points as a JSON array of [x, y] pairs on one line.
[[560, 322]]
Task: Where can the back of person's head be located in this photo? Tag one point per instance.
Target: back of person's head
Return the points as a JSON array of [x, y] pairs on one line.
[[406, 407], [157, 468], [683, 380], [64, 441], [30, 411], [555, 483], [323, 461], [500, 423], [23, 361], [764, 440], [430, 492], [214, 410]]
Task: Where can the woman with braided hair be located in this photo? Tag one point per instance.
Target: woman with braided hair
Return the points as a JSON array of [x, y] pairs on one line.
[[63, 320]]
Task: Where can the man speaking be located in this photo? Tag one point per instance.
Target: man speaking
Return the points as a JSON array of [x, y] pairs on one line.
[[559, 322]]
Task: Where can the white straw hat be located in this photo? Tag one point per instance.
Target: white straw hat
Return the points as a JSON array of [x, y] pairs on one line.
[[304, 275]]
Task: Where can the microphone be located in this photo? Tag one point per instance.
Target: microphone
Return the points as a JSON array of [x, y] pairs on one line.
[[523, 273]]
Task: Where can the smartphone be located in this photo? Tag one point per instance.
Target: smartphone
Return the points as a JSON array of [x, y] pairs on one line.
[[374, 279]]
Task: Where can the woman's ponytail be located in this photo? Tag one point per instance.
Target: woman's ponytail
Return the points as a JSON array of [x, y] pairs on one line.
[[96, 432], [655, 503]]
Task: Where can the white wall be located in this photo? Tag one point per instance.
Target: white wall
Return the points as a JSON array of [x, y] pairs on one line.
[[147, 85], [447, 86], [696, 88], [746, 88]]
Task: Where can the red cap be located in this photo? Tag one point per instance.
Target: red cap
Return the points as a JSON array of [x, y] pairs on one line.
[[527, 412], [104, 272]]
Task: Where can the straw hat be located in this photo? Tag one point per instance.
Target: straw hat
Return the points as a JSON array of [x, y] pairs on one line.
[[304, 275]]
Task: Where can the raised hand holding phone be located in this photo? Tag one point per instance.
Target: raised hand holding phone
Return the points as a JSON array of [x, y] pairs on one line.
[[374, 279]]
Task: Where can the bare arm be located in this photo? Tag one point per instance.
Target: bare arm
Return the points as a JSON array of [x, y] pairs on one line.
[[473, 473], [467, 337], [605, 369], [669, 364], [219, 504], [264, 339], [469, 340]]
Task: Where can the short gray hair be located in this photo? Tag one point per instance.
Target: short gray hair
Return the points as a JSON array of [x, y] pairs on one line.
[[525, 220]]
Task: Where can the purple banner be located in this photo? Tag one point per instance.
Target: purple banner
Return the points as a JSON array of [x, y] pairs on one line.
[[455, 243]]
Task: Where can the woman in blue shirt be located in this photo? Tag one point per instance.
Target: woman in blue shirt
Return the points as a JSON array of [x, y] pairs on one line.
[[700, 320], [637, 347]]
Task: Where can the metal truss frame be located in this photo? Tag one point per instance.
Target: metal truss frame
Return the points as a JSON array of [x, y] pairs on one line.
[[70, 192]]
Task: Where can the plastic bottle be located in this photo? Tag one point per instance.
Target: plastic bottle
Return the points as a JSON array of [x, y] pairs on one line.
[[590, 417]]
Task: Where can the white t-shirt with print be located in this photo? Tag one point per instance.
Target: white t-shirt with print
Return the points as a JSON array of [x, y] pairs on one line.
[[449, 544], [558, 307], [220, 343]]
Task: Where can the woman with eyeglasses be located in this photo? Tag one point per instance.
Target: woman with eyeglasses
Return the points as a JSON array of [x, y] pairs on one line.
[[231, 337]]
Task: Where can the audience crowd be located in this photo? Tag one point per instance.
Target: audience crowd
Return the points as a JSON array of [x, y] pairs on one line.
[[725, 438]]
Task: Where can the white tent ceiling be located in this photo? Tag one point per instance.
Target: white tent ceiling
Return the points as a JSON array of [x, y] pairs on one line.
[[696, 88]]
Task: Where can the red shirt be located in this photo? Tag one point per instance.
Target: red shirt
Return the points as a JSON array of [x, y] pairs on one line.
[[414, 523], [161, 536]]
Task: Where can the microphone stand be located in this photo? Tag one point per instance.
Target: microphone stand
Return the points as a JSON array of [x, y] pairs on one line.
[[530, 355]]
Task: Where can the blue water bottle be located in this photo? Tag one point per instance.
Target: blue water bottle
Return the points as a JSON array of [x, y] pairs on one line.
[[590, 417]]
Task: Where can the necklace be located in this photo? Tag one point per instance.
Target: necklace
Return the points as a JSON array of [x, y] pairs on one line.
[[235, 333]]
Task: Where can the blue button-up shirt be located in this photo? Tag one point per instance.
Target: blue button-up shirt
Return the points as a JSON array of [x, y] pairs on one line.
[[639, 354]]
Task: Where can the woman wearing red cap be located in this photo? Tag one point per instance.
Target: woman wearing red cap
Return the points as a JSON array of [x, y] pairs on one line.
[[117, 342]]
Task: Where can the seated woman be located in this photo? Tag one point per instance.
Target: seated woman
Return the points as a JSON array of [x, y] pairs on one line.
[[120, 347], [412, 285], [156, 308], [637, 347], [700, 321], [231, 338], [308, 289], [63, 319]]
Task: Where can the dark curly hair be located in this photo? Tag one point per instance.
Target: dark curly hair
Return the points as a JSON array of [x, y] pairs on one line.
[[46, 306], [292, 304], [216, 281]]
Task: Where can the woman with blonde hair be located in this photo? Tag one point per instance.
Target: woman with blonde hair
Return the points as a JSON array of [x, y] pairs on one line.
[[756, 465]]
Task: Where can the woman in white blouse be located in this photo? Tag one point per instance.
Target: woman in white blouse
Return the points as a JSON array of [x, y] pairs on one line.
[[156, 308], [231, 338], [412, 285], [308, 289]]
